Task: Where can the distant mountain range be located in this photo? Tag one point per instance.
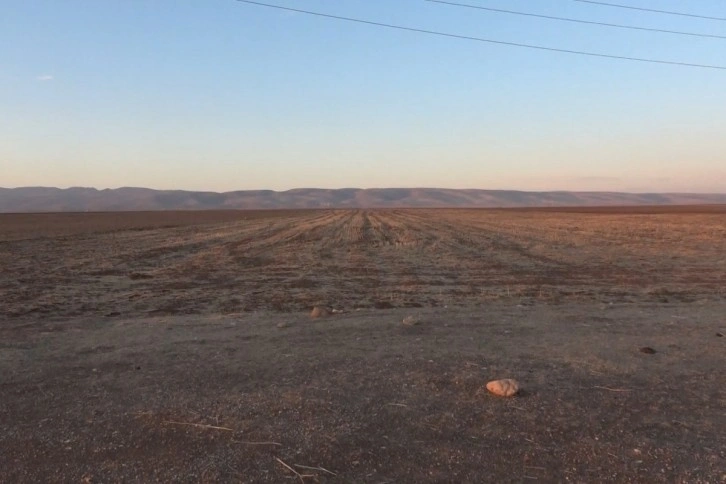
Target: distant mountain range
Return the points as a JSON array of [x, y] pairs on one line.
[[42, 199]]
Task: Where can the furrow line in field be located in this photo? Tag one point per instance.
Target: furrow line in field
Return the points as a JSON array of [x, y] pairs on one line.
[[273, 235]]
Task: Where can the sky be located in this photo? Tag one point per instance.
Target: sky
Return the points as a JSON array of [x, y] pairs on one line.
[[221, 95]]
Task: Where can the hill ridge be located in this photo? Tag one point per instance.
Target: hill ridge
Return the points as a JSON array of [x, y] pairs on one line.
[[79, 199]]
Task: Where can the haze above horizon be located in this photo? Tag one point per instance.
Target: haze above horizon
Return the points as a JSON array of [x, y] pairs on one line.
[[226, 95]]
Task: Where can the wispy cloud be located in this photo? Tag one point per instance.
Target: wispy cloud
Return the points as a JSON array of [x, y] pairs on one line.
[[44, 77]]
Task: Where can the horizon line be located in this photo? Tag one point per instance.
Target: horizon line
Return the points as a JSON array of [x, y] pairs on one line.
[[360, 189]]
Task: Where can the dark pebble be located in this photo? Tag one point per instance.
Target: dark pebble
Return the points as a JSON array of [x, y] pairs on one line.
[[647, 350]]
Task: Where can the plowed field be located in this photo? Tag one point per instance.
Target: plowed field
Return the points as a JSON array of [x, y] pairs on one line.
[[178, 347], [290, 261]]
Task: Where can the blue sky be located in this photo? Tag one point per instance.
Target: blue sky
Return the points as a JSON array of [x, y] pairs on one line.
[[221, 95]]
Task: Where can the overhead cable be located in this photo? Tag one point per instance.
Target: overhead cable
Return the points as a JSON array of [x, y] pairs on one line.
[[567, 19]]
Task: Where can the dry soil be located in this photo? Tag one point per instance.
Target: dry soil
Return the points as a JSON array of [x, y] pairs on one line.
[[140, 347]]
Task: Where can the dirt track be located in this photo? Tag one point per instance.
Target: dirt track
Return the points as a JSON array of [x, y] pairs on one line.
[[177, 347]]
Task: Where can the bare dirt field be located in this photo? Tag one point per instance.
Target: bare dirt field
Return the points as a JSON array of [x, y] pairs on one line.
[[142, 347]]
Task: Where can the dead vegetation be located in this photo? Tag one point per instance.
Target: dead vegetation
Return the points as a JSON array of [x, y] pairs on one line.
[[352, 259], [187, 353]]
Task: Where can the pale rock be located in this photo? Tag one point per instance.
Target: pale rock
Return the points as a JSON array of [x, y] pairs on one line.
[[319, 312], [411, 321], [504, 388]]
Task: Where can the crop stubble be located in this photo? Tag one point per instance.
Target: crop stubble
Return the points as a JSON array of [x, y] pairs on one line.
[[150, 394], [156, 263]]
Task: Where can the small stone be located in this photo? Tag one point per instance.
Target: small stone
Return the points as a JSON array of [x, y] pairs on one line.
[[282, 325], [504, 388], [647, 350], [719, 335], [319, 312], [411, 321]]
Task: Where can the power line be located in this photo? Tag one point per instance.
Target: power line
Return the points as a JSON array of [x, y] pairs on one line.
[[667, 12], [566, 19], [480, 39]]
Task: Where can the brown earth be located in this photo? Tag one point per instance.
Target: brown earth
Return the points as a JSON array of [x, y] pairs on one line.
[[178, 346]]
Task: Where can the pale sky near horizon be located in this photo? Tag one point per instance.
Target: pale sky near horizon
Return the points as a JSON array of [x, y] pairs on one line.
[[222, 95]]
